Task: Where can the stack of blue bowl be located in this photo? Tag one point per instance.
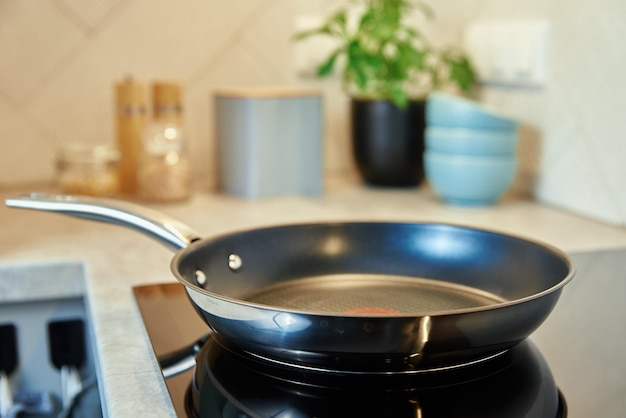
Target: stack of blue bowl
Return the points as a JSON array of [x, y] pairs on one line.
[[470, 153]]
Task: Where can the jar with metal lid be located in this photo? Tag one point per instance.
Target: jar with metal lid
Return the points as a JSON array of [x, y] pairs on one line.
[[88, 169]]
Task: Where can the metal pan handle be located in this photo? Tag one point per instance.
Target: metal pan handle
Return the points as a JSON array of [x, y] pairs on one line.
[[168, 231], [183, 359]]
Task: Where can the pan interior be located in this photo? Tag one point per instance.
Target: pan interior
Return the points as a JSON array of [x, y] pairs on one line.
[[372, 294]]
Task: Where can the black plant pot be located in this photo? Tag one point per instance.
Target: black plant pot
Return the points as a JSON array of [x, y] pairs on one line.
[[388, 142]]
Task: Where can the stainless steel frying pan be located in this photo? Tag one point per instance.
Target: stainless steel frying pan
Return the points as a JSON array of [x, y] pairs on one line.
[[354, 297]]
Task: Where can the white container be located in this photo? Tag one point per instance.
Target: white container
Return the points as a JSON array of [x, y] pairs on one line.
[[270, 141]]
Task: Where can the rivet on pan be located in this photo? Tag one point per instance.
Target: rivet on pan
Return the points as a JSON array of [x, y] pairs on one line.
[[234, 262], [200, 277]]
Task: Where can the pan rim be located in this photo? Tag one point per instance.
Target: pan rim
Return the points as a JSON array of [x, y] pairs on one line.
[[557, 252]]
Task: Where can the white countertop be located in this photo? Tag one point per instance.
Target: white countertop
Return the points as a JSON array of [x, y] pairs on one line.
[[116, 259]]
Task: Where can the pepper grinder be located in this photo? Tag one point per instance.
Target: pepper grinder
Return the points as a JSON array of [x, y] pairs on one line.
[[165, 172], [131, 124]]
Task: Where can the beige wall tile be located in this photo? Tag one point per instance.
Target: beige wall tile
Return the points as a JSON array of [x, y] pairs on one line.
[[35, 40], [271, 35], [26, 154], [89, 13]]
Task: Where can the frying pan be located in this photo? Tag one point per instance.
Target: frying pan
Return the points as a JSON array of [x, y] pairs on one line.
[[355, 297]]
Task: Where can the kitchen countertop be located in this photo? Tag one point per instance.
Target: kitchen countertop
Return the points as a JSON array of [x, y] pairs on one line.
[[116, 259]]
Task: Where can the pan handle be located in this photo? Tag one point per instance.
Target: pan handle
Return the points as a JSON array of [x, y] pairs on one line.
[[183, 359], [174, 234]]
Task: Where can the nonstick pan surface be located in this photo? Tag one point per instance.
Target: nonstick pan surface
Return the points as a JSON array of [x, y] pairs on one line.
[[372, 294], [353, 296]]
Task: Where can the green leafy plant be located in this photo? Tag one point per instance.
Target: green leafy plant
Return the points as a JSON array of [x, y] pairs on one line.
[[385, 57]]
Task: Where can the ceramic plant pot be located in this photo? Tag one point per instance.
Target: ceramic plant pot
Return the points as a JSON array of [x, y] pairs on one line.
[[388, 142]]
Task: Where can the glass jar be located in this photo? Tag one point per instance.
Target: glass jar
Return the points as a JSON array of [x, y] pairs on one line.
[[87, 169], [165, 172]]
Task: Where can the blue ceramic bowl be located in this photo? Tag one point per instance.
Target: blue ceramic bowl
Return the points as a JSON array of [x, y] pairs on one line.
[[471, 141], [469, 180], [449, 111]]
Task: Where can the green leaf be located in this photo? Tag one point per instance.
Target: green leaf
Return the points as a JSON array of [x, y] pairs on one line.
[[398, 96], [366, 20], [461, 71], [337, 23], [327, 66]]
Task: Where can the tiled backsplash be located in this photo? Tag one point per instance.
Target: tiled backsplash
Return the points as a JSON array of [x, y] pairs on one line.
[[61, 58]]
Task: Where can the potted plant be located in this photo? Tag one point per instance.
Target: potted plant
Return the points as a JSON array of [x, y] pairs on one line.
[[389, 67]]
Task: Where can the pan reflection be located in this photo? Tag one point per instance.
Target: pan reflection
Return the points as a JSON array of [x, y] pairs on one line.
[[334, 245], [423, 331], [445, 242], [291, 323]]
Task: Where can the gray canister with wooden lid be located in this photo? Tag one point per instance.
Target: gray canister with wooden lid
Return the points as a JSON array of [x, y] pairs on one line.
[[270, 141]]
